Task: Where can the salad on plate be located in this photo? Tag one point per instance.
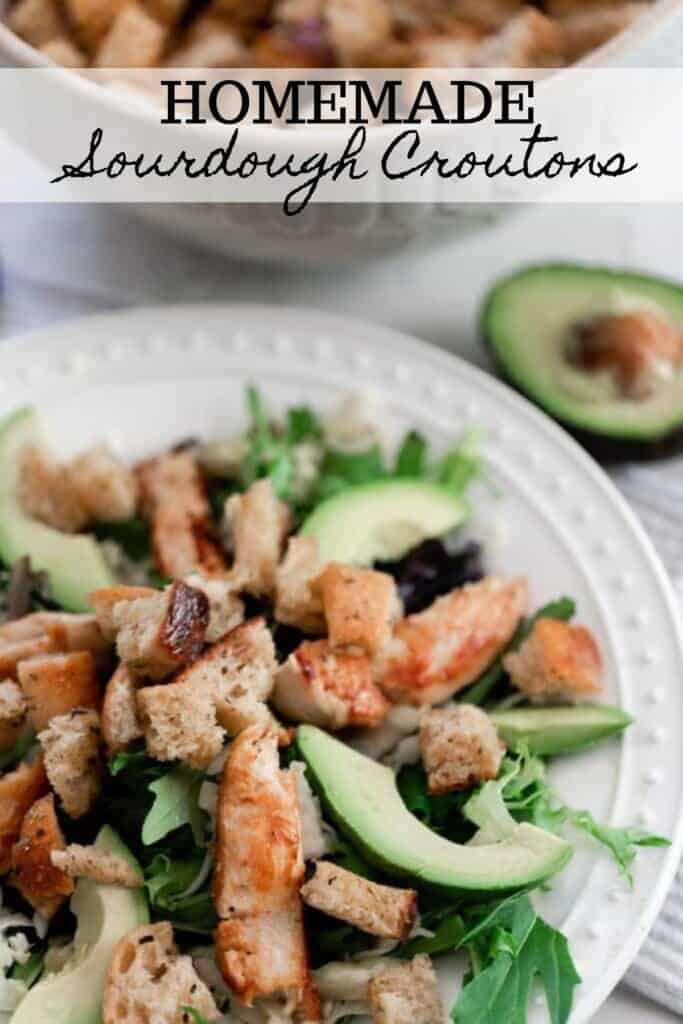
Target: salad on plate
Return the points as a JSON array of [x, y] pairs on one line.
[[273, 740]]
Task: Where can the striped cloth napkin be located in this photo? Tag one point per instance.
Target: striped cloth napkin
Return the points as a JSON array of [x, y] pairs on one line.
[[656, 493]]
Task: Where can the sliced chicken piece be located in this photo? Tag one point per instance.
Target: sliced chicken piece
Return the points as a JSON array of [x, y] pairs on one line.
[[19, 789], [14, 651], [157, 635], [460, 747], [361, 606], [68, 631], [297, 602], [376, 909], [259, 524], [406, 994], [121, 724], [557, 661], [439, 651], [39, 881], [328, 688], [55, 683]]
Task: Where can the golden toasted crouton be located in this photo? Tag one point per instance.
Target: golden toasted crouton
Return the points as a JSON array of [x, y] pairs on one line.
[[406, 994], [529, 39], [168, 12], [264, 954], [328, 688], [557, 661], [121, 724], [360, 606], [376, 909], [587, 28], [488, 15], [92, 18], [71, 748], [460, 747], [447, 49], [179, 723], [309, 1008], [39, 881], [70, 632], [259, 524], [12, 713], [297, 602], [104, 601], [173, 499], [239, 12], [47, 493], [209, 42], [437, 652], [106, 488], [147, 972], [134, 40], [357, 29], [12, 652], [19, 789], [78, 861], [226, 610], [65, 53], [36, 21], [259, 861], [55, 683], [156, 635]]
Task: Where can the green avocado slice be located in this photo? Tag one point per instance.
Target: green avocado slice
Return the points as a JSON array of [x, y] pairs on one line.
[[74, 562], [560, 730], [362, 797], [105, 913], [382, 521], [526, 321]]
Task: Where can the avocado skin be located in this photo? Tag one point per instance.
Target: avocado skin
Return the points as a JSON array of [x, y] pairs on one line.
[[605, 448], [547, 732]]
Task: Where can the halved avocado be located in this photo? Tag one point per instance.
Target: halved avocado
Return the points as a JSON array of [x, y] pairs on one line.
[[529, 320], [560, 730], [362, 797], [381, 521], [105, 913], [74, 562]]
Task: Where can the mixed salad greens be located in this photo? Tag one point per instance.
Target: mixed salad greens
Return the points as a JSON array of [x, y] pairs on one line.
[[165, 811]]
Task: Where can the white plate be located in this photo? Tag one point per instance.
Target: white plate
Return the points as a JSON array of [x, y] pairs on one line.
[[146, 378]]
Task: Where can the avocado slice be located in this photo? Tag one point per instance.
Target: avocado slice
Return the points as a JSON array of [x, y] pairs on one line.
[[380, 522], [74, 562], [105, 914], [528, 320], [559, 730], [362, 797]]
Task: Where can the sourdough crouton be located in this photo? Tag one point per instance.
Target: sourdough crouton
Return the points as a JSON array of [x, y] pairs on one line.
[[121, 724], [239, 12], [40, 882], [64, 53], [437, 652], [376, 909], [156, 635], [263, 955], [210, 42], [77, 861], [71, 747], [360, 606], [297, 602], [358, 29], [328, 688], [557, 661], [19, 789], [92, 18], [527, 40], [149, 980], [587, 28], [179, 723], [55, 683], [259, 524], [36, 21], [488, 15], [12, 713], [460, 747], [173, 499], [47, 493], [104, 601], [168, 12], [106, 488], [134, 40], [451, 49], [226, 610], [406, 994]]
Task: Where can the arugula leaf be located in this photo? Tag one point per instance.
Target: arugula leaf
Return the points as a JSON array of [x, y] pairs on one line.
[[194, 1014], [346, 856], [130, 534], [170, 887], [563, 608], [442, 814], [302, 425], [462, 464], [448, 935], [412, 455], [137, 761], [175, 804]]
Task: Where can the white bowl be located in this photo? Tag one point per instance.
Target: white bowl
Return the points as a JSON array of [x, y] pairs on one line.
[[322, 233]]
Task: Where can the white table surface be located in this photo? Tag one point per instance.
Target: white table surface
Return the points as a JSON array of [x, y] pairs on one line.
[[62, 262]]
